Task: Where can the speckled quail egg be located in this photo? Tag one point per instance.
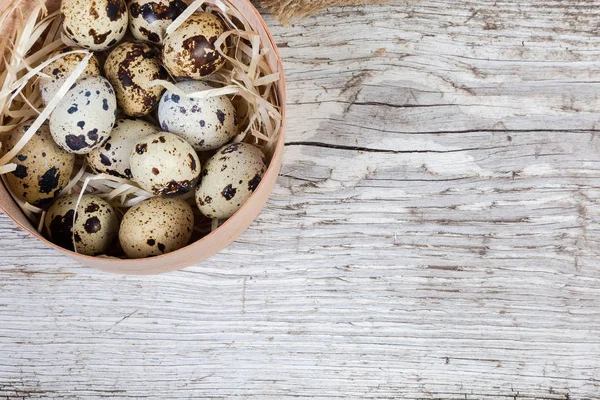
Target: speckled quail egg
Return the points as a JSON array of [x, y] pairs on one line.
[[96, 224], [206, 124], [229, 178], [60, 69], [113, 156], [189, 52], [84, 117], [43, 169], [156, 226], [148, 19], [164, 164], [96, 24], [130, 67]]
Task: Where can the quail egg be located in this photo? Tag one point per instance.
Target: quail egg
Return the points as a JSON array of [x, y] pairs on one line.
[[156, 226], [96, 224], [84, 117], [206, 124], [96, 24], [60, 69], [164, 164], [113, 156], [229, 178], [130, 67], [149, 19], [189, 52], [43, 169]]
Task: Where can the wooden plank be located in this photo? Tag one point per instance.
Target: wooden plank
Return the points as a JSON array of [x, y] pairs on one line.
[[434, 233]]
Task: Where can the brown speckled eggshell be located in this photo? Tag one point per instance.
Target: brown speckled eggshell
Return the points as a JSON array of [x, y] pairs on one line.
[[189, 52], [113, 157], [156, 226], [148, 19], [129, 68], [95, 24], [84, 117], [165, 165], [228, 179], [43, 169], [206, 124], [96, 224], [60, 69]]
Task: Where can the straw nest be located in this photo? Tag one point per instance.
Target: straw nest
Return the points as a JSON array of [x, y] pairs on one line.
[[31, 31]]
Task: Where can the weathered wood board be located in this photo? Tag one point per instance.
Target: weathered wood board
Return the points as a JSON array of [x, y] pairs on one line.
[[435, 232]]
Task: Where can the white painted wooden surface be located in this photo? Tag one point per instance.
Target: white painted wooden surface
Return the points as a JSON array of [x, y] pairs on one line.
[[434, 234]]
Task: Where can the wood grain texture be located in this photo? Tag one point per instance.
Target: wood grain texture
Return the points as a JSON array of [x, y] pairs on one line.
[[434, 234]]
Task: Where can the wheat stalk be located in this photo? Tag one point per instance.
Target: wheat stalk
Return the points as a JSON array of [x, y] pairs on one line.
[[286, 10]]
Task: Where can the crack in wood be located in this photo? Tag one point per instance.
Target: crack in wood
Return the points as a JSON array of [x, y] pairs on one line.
[[388, 151]]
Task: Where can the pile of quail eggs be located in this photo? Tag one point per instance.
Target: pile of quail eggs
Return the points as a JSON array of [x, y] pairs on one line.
[[106, 120]]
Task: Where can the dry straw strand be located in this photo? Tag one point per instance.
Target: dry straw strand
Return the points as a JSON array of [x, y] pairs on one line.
[[286, 10]]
